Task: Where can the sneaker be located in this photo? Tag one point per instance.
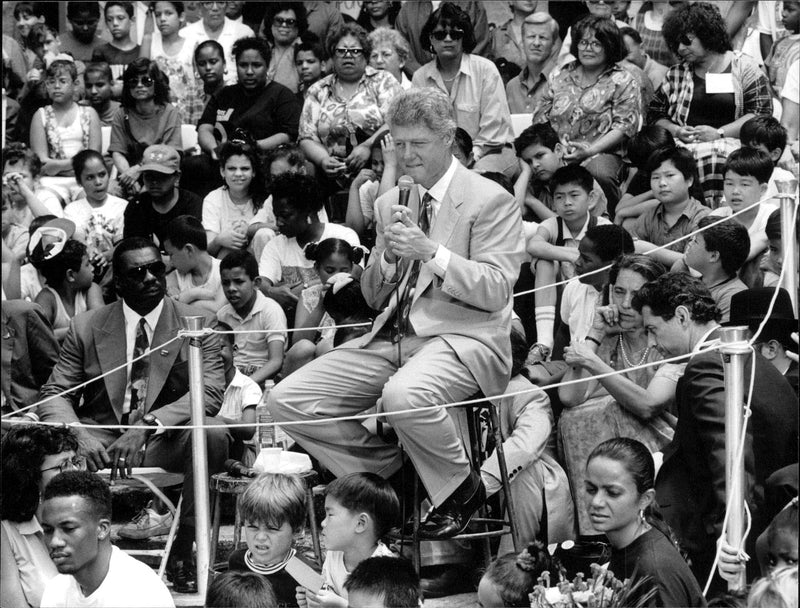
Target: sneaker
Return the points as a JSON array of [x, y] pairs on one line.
[[147, 523]]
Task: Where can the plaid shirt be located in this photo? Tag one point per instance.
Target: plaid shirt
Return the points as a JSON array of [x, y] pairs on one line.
[[674, 97]]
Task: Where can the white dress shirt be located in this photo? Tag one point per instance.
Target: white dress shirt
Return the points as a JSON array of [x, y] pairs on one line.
[[131, 322]]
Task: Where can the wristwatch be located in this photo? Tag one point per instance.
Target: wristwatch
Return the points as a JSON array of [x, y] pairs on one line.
[[721, 132]]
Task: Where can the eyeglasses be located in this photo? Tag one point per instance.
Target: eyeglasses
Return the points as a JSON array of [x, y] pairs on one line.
[[280, 21], [213, 4], [590, 44], [145, 81], [685, 40], [76, 463], [138, 273], [349, 52], [454, 34]]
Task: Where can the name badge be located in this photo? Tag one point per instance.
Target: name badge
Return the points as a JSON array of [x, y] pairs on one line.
[[719, 83], [224, 115]]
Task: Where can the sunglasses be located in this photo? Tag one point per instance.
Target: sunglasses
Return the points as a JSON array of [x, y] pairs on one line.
[[442, 34], [145, 81], [138, 273], [77, 463], [685, 40], [280, 21], [349, 52]]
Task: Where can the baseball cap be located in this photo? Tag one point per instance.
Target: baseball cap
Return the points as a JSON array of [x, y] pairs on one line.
[[48, 240], [161, 158]]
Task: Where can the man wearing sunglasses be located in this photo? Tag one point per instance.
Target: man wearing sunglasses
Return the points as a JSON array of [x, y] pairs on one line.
[[151, 393]]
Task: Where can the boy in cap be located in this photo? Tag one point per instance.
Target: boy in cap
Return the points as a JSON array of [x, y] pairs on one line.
[[161, 200]]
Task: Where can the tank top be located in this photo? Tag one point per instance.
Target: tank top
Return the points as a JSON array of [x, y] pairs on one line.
[[62, 317]]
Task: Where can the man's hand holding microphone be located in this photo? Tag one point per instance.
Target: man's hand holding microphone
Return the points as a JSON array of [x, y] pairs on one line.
[[403, 236]]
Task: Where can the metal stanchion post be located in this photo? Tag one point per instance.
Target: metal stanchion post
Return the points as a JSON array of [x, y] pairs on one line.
[[734, 352], [787, 191], [193, 327]]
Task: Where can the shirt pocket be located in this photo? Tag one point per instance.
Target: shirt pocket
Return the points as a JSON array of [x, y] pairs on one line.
[[468, 117]]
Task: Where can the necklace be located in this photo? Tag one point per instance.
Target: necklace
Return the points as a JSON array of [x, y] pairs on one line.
[[628, 363]]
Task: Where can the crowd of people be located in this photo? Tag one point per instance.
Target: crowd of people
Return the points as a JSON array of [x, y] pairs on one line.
[[388, 211]]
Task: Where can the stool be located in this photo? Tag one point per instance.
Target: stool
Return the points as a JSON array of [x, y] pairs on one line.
[[477, 453], [223, 483], [153, 478]]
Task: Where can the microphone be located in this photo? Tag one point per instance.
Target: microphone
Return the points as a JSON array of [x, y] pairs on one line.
[[405, 184], [234, 468]]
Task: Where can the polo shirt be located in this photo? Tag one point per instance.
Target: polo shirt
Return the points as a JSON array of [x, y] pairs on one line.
[[722, 294], [652, 227], [250, 350], [524, 93]]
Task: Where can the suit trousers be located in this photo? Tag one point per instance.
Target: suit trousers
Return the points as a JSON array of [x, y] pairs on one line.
[[347, 381], [172, 451]]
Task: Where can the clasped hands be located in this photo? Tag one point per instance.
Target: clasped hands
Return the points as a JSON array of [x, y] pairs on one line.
[[605, 323], [404, 238]]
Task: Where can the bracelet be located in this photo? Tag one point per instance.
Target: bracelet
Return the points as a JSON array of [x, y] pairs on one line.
[[593, 339]]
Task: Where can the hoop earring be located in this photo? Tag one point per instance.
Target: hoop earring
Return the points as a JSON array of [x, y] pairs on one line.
[[642, 518]]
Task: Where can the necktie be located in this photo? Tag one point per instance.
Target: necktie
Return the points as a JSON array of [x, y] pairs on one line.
[[408, 294], [140, 369]]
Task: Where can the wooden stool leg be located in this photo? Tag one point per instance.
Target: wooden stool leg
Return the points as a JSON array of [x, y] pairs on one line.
[[215, 528], [416, 557], [501, 460], [237, 526], [312, 522]]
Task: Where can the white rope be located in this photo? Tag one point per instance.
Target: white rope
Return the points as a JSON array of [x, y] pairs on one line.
[[658, 248]]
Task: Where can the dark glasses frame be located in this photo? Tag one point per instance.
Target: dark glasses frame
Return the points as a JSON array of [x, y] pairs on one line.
[[147, 81], [281, 21], [138, 273], [455, 34], [341, 52]]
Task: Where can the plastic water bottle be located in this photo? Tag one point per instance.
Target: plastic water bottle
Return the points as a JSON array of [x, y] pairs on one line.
[[267, 435]]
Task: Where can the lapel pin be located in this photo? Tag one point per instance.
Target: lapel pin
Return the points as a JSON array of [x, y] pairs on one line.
[[164, 352]]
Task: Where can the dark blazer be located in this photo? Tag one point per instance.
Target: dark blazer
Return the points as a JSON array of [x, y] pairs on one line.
[[95, 344], [690, 488], [29, 352]]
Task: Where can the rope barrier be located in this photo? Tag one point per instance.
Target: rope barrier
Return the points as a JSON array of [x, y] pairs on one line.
[[658, 248]]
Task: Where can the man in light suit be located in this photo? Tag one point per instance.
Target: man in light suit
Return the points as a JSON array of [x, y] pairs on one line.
[[680, 316], [103, 339], [455, 339]]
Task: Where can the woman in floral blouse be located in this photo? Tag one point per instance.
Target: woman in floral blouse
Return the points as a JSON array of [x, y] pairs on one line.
[[593, 104], [345, 112]]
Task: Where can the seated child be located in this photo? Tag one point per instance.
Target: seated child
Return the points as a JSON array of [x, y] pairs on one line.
[[541, 153], [31, 280], [778, 590], [99, 216], [360, 508], [637, 195], [346, 305], [672, 173], [772, 262], [539, 485], [273, 511], [67, 271], [21, 171], [196, 279], [309, 59], [598, 249], [209, 57], [122, 49], [232, 589], [371, 183], [331, 257], [746, 175], [768, 135], [462, 148], [384, 582], [97, 80], [717, 254], [239, 402], [510, 579], [15, 236], [258, 355], [554, 246]]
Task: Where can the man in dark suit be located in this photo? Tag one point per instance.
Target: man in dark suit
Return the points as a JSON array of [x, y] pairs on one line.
[[681, 318], [146, 397], [450, 258]]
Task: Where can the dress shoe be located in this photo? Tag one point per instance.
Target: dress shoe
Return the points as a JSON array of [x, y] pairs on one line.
[[443, 580], [183, 576], [453, 516]]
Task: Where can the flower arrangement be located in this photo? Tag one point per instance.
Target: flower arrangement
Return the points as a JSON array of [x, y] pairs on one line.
[[601, 590]]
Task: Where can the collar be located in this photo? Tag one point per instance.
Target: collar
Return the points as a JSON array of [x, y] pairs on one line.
[[660, 210], [27, 528], [571, 70], [265, 570], [704, 339], [439, 189], [259, 305], [327, 81], [151, 318], [525, 78]]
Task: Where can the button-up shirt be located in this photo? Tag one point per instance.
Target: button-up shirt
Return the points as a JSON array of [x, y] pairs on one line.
[[653, 227], [524, 92], [131, 322]]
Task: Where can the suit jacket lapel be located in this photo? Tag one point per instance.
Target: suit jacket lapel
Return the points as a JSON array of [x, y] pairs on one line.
[[162, 358], [110, 344]]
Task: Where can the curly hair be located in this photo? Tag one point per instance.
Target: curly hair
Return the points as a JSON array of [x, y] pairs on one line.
[[24, 449], [273, 8], [236, 147], [384, 36], [88, 486], [448, 14], [55, 269], [317, 252], [15, 152], [674, 289], [251, 44], [607, 34], [357, 32], [145, 67], [299, 191], [643, 265], [701, 19]]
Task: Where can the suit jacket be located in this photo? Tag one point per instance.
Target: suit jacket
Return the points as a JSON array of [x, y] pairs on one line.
[[480, 223], [29, 352], [95, 344], [690, 488]]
